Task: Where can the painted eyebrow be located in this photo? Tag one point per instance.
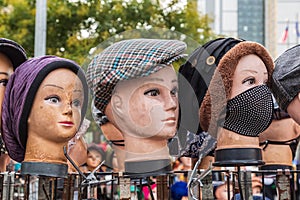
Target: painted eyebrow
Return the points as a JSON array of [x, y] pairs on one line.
[[160, 79], [253, 71], [52, 85], [78, 91], [156, 79], [4, 73]]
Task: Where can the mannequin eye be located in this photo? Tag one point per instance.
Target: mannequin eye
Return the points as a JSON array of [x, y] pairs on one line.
[[249, 81], [76, 103], [53, 99], [152, 92], [3, 82], [174, 92]]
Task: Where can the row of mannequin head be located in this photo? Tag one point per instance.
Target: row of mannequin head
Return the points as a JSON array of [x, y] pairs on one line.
[[136, 90]]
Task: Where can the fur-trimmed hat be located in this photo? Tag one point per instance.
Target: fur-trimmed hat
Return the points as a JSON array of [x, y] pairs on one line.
[[220, 86]]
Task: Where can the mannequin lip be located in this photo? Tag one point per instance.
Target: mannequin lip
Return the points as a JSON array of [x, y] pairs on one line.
[[170, 120], [66, 123]]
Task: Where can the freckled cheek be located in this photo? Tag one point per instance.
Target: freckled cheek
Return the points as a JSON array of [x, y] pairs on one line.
[[77, 117]]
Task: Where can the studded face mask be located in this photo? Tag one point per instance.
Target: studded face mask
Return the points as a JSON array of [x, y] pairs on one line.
[[250, 112]]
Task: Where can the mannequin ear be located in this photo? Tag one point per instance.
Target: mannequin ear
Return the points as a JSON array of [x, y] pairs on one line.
[[117, 105]]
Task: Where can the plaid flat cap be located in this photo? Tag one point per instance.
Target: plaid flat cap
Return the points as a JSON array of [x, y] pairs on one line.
[[129, 59]]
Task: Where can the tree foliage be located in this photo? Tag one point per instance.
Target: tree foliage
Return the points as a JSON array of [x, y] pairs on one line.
[[75, 27]]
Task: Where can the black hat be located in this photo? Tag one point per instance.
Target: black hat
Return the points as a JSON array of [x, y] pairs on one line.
[[13, 51], [285, 78], [194, 78]]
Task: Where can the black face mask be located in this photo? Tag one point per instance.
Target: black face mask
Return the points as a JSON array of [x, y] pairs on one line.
[[250, 112]]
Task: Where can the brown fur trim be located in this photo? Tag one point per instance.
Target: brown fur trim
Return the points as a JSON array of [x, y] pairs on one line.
[[220, 86]]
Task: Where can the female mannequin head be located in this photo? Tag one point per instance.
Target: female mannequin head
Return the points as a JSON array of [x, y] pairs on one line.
[[245, 66], [11, 56], [95, 155], [238, 105], [45, 103]]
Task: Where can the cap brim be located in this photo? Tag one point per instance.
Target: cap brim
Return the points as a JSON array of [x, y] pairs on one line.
[[16, 55]]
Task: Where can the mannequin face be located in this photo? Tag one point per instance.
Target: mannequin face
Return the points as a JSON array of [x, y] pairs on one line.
[[93, 159], [250, 72], [148, 106], [222, 192], [56, 110], [6, 69]]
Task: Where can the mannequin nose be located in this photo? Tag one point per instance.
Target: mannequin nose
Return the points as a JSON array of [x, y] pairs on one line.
[[68, 109], [171, 102]]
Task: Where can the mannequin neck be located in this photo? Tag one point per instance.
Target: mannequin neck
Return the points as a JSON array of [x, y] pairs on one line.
[[42, 150], [230, 139], [139, 149]]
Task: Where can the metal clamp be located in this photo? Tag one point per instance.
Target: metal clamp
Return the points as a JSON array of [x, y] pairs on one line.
[[196, 181]]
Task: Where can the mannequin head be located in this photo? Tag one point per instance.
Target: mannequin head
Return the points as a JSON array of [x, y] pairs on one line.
[[50, 96], [245, 66], [194, 78], [136, 89], [6, 69], [95, 155], [286, 83], [238, 104], [11, 56]]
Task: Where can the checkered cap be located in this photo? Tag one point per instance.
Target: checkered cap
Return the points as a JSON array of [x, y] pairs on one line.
[[129, 59]]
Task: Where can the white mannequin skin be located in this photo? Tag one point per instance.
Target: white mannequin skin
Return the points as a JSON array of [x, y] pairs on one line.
[[145, 110], [250, 72], [293, 108], [55, 117], [6, 69]]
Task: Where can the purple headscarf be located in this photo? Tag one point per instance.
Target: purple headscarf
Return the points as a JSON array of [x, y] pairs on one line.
[[19, 96]]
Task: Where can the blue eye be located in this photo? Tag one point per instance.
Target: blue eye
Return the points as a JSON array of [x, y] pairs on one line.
[[53, 99], [76, 103], [152, 92]]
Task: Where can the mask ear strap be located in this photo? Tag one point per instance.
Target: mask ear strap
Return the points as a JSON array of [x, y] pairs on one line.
[[287, 142], [118, 142]]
